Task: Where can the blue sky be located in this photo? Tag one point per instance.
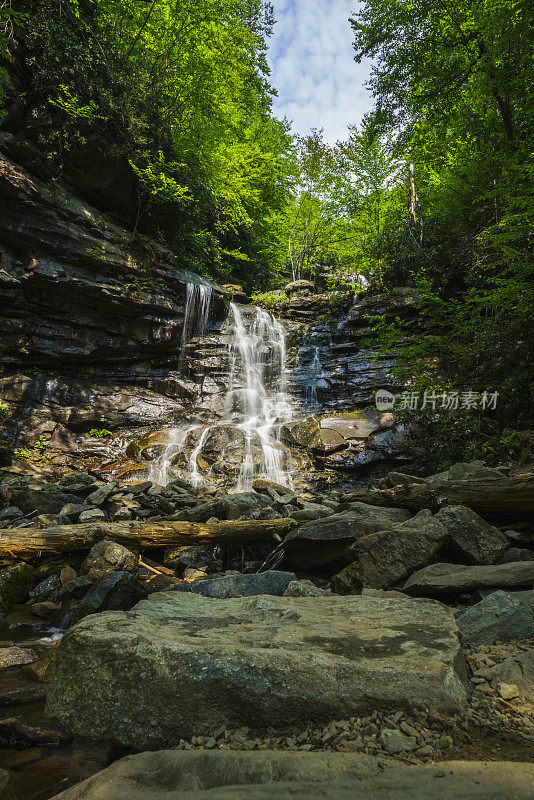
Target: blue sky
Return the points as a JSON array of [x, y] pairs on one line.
[[313, 69]]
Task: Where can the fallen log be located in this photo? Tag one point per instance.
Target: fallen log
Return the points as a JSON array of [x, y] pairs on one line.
[[484, 495], [26, 543]]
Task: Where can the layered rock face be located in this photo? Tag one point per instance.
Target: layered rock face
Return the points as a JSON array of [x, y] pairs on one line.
[[179, 664], [76, 288]]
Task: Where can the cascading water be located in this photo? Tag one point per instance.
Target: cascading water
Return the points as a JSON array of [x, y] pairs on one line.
[[255, 406], [197, 311], [257, 391], [314, 373]]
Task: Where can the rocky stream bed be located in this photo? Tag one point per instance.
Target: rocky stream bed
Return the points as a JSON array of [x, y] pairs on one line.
[[266, 630]]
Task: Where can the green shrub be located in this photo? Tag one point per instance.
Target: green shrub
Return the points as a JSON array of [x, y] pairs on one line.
[[97, 433]]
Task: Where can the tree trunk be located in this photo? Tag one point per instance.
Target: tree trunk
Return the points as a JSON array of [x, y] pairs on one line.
[[496, 496], [25, 543]]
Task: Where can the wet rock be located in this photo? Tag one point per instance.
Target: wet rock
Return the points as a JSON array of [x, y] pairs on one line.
[[15, 584], [443, 579], [237, 292], [259, 661], [47, 589], [273, 489], [74, 589], [328, 441], [107, 557], [218, 774], [116, 591], [122, 515], [44, 610], [20, 618], [16, 656], [498, 617], [273, 583], [326, 540], [471, 539], [381, 560], [301, 433], [91, 515]]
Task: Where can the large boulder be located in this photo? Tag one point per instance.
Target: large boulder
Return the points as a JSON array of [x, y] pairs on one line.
[[443, 579], [380, 560], [273, 582], [326, 540], [105, 557], [179, 665], [301, 286], [471, 539], [498, 617], [262, 775], [15, 583]]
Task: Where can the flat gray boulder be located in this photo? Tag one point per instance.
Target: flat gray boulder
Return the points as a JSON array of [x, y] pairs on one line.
[[325, 540], [169, 774], [179, 665], [471, 539], [448, 579], [274, 582], [498, 617]]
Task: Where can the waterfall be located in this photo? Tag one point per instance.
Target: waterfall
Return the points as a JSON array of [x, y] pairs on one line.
[[197, 311], [256, 403], [257, 388], [314, 373]]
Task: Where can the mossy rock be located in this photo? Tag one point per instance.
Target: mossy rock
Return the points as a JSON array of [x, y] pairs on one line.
[[348, 581], [15, 584]]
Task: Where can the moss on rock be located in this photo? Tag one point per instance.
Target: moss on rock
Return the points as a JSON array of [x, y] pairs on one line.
[[15, 583]]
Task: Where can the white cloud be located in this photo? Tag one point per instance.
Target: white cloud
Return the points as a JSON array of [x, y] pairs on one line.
[[313, 69]]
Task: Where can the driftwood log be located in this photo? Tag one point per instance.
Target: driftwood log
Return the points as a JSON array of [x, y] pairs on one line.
[[26, 543], [486, 496]]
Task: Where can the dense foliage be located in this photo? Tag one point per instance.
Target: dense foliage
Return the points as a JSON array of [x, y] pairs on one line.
[[454, 82], [179, 89]]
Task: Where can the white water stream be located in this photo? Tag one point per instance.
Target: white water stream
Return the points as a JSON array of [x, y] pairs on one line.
[[257, 389], [256, 401]]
